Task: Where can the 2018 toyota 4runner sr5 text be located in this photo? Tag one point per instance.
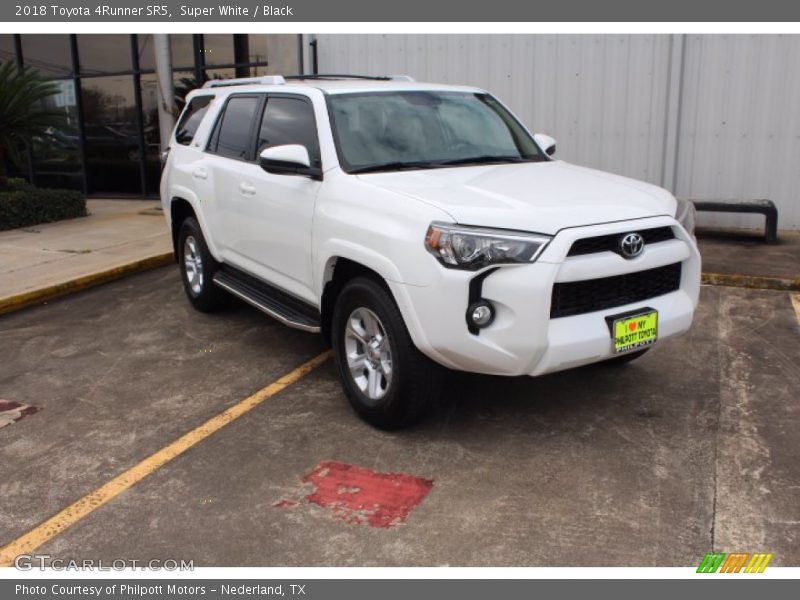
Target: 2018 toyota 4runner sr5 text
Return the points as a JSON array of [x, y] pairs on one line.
[[419, 228]]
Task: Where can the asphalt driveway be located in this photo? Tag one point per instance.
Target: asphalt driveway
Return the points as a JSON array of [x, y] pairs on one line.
[[689, 449]]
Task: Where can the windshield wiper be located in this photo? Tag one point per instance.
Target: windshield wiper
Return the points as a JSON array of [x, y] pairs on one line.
[[485, 159], [395, 166]]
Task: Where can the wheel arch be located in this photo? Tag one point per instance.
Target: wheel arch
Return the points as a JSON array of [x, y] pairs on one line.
[[181, 207], [337, 272]]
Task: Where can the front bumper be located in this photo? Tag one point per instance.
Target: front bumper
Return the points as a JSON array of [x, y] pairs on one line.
[[524, 339]]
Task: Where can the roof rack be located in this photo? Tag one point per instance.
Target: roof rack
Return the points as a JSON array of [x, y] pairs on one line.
[[265, 80], [350, 76], [281, 79]]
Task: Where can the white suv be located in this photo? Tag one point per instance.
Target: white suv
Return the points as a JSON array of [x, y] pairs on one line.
[[419, 226]]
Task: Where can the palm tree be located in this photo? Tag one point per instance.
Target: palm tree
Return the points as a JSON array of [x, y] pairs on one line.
[[182, 88], [23, 113]]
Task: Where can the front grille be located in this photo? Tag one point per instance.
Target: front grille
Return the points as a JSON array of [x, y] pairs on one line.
[[604, 243], [579, 297]]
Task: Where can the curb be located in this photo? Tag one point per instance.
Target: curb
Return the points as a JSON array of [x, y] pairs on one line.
[[26, 299], [753, 282]]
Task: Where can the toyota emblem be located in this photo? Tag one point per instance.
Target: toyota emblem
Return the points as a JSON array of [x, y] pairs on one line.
[[631, 245]]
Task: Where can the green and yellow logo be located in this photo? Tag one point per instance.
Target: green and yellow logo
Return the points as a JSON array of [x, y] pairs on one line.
[[734, 562]]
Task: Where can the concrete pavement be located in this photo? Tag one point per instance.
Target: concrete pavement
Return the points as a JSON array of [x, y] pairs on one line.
[[743, 252], [115, 234]]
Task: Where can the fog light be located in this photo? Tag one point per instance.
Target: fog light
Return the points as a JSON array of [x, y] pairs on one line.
[[481, 313]]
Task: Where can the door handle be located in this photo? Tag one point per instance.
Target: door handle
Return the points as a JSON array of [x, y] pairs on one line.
[[247, 188], [200, 173]]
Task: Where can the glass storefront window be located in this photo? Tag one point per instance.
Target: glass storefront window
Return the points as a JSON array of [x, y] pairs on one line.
[[118, 151], [218, 49], [182, 47], [151, 133], [49, 54], [183, 82], [100, 54], [221, 73], [113, 153], [280, 51], [56, 153], [147, 61], [7, 48]]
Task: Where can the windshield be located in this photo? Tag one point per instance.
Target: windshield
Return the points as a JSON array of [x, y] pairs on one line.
[[394, 130]]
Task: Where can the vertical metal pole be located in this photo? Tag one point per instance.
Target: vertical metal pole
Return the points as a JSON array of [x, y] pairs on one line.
[[314, 57], [166, 89], [137, 98], [199, 46], [76, 82], [20, 65], [18, 50], [301, 63], [241, 53]]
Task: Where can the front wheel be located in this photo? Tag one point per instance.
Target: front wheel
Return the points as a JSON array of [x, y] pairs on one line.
[[387, 380]]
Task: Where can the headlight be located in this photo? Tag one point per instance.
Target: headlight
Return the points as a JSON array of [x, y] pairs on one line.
[[685, 215], [471, 248]]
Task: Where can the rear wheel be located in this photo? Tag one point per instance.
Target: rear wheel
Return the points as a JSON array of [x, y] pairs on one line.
[[198, 268], [387, 380]]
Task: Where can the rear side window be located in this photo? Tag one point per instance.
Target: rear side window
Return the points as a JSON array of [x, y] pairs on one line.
[[289, 121], [233, 134], [191, 118]]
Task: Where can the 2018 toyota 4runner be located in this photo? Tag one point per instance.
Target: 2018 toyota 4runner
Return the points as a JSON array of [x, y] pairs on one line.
[[419, 228]]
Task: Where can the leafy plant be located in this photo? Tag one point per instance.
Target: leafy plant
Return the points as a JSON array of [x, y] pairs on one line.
[[23, 205], [23, 111]]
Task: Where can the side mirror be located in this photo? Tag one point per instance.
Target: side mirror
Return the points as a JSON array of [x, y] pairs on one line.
[[291, 159], [546, 143]]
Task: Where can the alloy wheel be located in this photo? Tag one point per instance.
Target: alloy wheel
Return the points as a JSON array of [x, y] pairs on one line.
[[369, 354]]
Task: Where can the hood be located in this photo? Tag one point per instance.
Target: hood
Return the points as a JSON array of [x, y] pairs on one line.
[[541, 197]]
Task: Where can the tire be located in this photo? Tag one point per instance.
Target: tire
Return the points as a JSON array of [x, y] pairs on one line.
[[369, 335], [624, 359], [197, 268]]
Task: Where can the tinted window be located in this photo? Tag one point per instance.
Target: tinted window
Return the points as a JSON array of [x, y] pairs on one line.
[[191, 118], [232, 138], [289, 121]]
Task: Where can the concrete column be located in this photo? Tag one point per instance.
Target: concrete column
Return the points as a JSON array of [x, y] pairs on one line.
[[166, 89]]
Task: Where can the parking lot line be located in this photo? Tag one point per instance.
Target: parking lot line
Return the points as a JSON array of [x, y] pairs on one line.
[[76, 511]]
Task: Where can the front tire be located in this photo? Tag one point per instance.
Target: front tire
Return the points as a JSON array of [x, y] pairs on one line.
[[387, 380], [198, 268]]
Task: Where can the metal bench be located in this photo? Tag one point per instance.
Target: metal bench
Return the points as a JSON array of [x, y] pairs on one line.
[[764, 207]]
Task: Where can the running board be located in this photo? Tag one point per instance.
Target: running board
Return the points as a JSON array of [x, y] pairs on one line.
[[284, 307]]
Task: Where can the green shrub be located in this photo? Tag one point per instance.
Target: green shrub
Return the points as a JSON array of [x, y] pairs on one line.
[[22, 205]]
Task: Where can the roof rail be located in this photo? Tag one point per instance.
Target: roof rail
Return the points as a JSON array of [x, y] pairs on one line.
[[350, 76], [265, 80], [281, 79]]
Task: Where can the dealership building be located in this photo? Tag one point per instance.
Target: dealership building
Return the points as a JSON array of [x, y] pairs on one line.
[[706, 116]]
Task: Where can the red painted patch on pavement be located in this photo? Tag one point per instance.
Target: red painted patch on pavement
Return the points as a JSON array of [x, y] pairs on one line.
[[359, 495], [11, 412]]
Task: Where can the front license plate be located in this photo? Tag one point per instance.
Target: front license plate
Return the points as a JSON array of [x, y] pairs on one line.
[[634, 332]]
